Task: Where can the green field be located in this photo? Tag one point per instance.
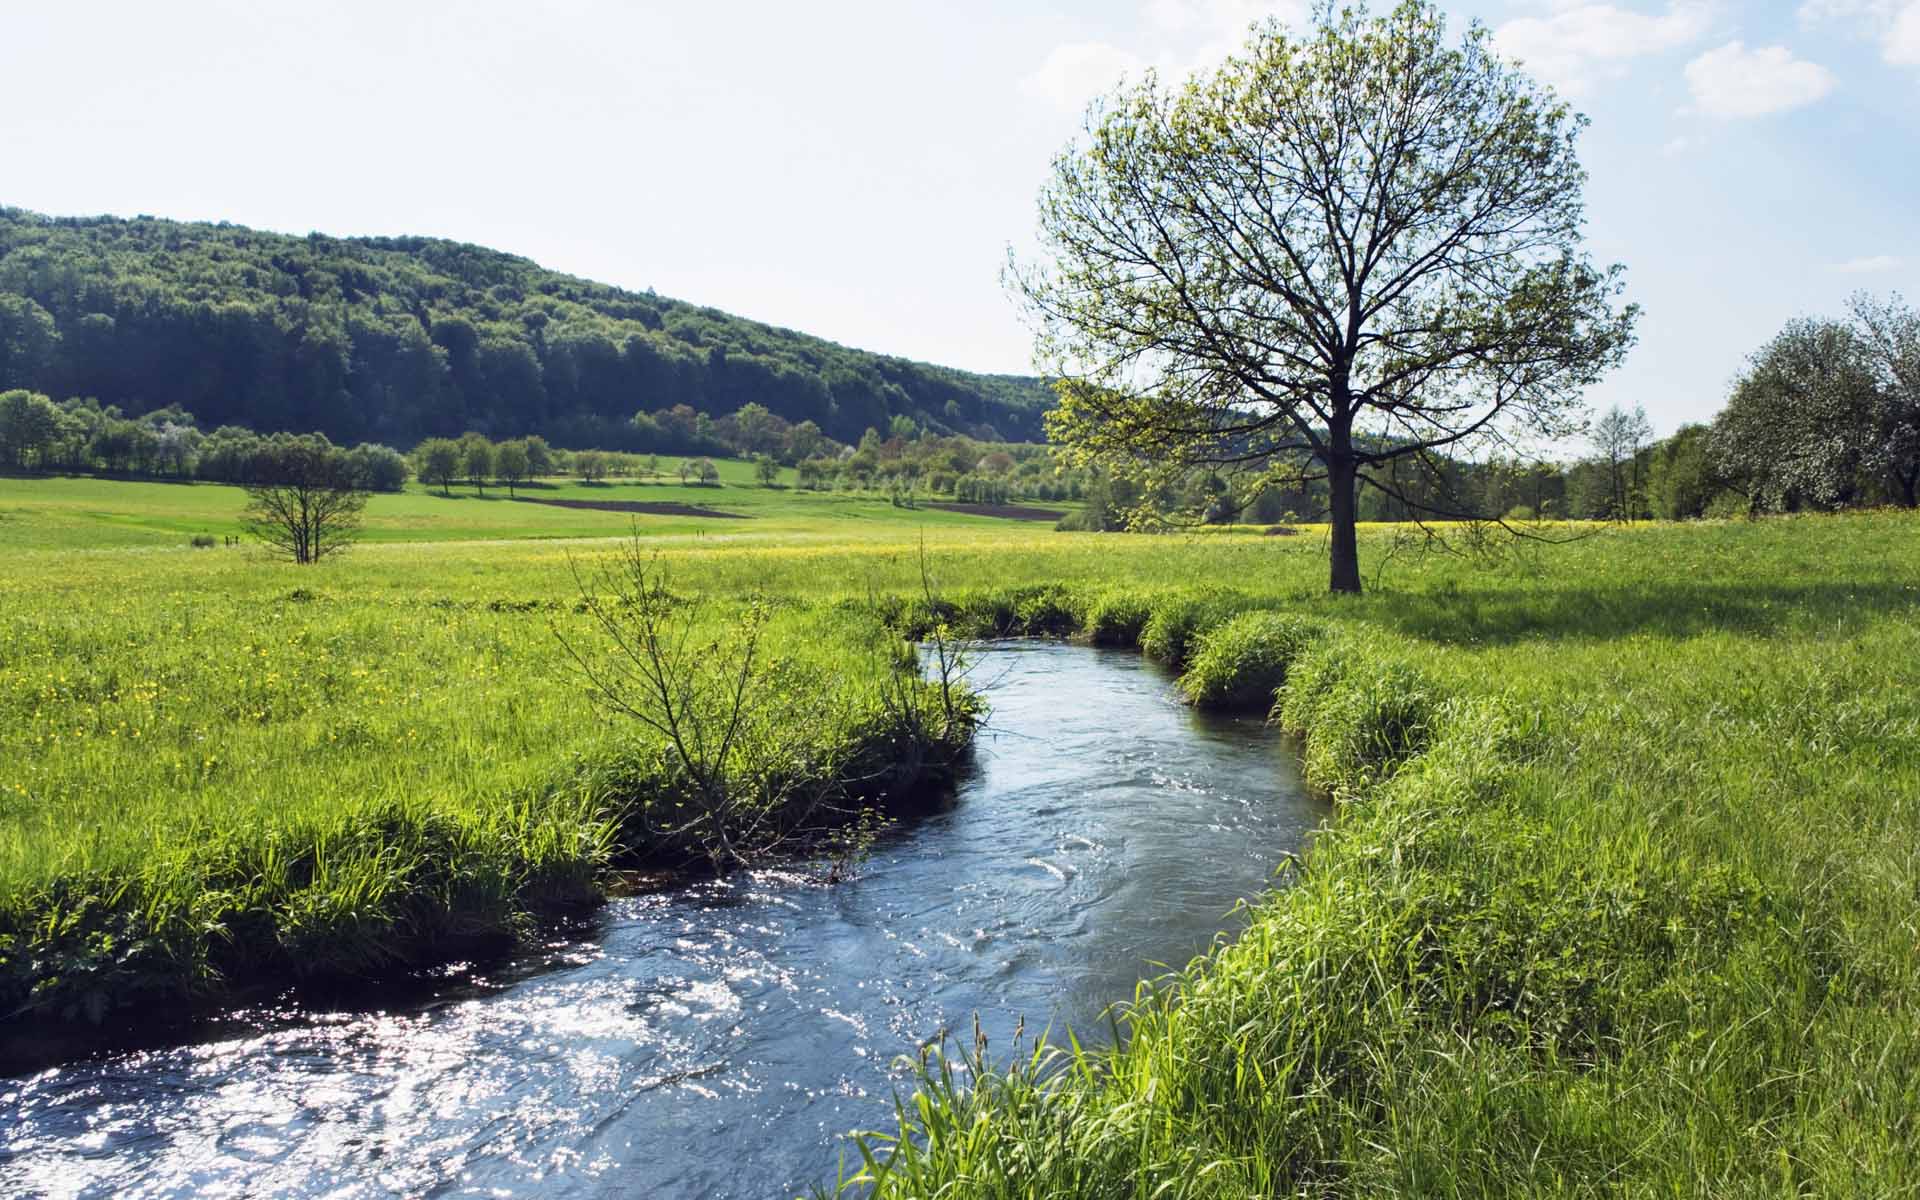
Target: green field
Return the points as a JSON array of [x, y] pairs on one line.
[[1622, 896], [83, 513]]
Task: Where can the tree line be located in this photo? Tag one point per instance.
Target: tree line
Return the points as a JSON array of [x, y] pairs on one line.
[[81, 436], [1824, 416], [399, 339]]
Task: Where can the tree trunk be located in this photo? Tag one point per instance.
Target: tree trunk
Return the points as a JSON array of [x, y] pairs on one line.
[[1342, 481]]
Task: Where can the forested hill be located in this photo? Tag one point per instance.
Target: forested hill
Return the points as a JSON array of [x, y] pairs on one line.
[[396, 339]]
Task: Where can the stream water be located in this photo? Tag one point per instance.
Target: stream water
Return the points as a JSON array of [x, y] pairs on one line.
[[721, 1039]]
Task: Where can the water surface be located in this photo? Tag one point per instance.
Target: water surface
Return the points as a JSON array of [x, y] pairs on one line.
[[719, 1040]]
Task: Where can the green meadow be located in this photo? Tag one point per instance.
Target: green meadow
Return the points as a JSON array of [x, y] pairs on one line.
[[1621, 895], [86, 513]]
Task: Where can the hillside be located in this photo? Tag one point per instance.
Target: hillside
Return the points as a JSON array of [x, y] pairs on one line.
[[396, 339]]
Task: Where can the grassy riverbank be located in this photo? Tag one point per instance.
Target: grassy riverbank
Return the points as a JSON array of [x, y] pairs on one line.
[[1621, 896], [217, 771]]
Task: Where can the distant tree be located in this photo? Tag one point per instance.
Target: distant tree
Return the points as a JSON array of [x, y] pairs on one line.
[[1798, 430], [805, 441], [303, 501], [758, 428], [653, 466], [709, 471], [647, 432], [512, 463], [1362, 244], [1681, 483], [438, 460], [590, 465], [688, 471], [476, 460], [540, 459], [378, 468], [29, 423], [766, 470], [1618, 435], [112, 443], [176, 447], [1890, 336], [29, 339]]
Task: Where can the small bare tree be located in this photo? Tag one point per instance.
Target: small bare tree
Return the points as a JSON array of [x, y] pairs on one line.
[[755, 746], [304, 502], [748, 746]]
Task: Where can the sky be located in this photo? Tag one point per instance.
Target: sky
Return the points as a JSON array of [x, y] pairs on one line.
[[861, 169]]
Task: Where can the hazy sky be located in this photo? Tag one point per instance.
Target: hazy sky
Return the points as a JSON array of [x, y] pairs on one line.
[[859, 169]]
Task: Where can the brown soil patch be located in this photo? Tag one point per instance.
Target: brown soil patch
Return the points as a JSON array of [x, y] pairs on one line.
[[655, 508]]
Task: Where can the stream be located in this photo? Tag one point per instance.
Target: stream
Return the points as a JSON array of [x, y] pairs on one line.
[[719, 1040]]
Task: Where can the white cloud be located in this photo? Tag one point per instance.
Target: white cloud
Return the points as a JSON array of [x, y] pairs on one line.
[[1734, 81], [1818, 12], [1678, 146], [1873, 265], [1204, 33], [1901, 45], [1075, 73], [1581, 44], [1895, 24]]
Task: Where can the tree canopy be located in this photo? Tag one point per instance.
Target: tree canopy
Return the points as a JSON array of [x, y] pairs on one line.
[[1827, 412], [1358, 245]]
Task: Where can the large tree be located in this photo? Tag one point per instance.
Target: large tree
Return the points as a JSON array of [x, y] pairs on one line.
[[1797, 430], [1889, 333], [1347, 248]]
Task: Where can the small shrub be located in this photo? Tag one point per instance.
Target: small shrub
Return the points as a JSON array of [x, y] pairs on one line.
[[1243, 663], [1177, 621], [1045, 611], [1363, 717], [1116, 619], [986, 614]]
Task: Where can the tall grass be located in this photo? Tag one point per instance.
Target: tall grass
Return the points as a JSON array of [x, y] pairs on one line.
[[211, 777], [1622, 898], [1623, 895]]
